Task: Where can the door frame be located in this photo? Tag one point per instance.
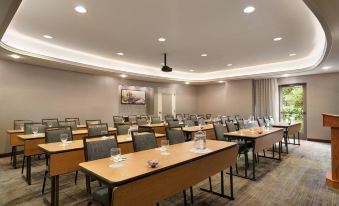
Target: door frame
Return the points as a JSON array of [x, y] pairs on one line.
[[162, 91], [304, 86]]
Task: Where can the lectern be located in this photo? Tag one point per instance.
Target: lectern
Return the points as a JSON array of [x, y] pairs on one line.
[[332, 177]]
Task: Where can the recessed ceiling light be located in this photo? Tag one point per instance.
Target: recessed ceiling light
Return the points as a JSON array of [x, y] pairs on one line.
[[204, 55], [293, 54], [277, 38], [187, 83], [221, 81], [249, 9], [286, 75], [120, 54], [123, 75], [191, 70], [326, 67], [229, 65], [161, 39], [48, 37], [80, 9], [15, 56]]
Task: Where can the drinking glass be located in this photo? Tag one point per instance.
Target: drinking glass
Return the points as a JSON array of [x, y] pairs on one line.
[[35, 130], [115, 157], [63, 138], [49, 124], [164, 147], [22, 127]]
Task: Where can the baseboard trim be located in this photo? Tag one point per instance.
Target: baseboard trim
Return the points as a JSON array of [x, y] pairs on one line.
[[319, 140], [9, 154]]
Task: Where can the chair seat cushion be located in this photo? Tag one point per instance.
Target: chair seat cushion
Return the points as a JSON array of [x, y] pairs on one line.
[[100, 195]]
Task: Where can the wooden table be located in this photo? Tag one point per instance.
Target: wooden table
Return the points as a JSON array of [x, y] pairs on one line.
[[262, 141], [157, 128], [32, 141], [134, 183], [15, 141], [290, 129], [66, 159], [208, 128]]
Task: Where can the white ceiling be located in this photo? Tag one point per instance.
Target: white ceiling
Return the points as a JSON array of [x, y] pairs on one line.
[[191, 27]]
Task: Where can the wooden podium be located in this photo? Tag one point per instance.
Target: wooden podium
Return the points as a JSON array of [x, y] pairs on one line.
[[332, 177]]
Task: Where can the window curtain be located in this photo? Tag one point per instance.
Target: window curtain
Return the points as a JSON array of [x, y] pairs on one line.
[[266, 98]]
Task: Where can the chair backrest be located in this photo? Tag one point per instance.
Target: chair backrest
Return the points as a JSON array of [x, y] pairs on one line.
[[208, 116], [117, 120], [72, 124], [143, 141], [201, 116], [156, 120], [141, 122], [189, 123], [252, 124], [51, 122], [223, 119], [186, 116], [19, 124], [144, 116], [53, 134], [261, 122], [175, 136], [70, 119], [98, 148], [237, 117], [271, 120], [29, 126], [88, 122], [122, 129], [97, 129], [219, 131], [193, 117], [179, 117], [266, 120], [132, 118], [173, 124], [241, 124], [201, 121], [169, 117], [230, 127], [230, 118]]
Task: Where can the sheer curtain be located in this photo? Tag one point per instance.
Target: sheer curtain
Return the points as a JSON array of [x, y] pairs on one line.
[[266, 98]]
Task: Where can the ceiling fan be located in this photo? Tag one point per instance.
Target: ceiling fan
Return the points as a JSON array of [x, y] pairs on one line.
[[166, 68]]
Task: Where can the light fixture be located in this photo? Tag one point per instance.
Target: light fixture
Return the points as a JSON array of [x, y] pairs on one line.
[[229, 65], [277, 38], [166, 68], [187, 83], [123, 75], [204, 55], [286, 75], [326, 67], [120, 54], [292, 54], [161, 39], [15, 56], [191, 70], [80, 9], [221, 81], [249, 9], [47, 37]]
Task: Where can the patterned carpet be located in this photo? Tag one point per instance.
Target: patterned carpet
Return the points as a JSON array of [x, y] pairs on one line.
[[296, 180]]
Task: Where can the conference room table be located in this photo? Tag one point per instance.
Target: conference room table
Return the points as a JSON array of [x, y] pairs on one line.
[[135, 183], [31, 142], [292, 128], [66, 159], [261, 139], [208, 128], [15, 141]]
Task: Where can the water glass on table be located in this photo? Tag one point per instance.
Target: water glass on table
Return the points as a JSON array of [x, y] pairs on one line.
[[164, 147], [64, 139], [116, 157], [35, 130]]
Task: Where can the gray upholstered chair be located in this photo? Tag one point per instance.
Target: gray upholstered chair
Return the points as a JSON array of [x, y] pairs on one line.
[[97, 129], [241, 124], [208, 116], [70, 119], [189, 123], [29, 126], [122, 129], [132, 119], [186, 116], [156, 120], [237, 117], [261, 122], [19, 124], [141, 122], [266, 120], [169, 117], [53, 135], [175, 136], [69, 123], [118, 120], [230, 118], [96, 121], [173, 124], [95, 150], [193, 117], [143, 141], [51, 122], [219, 131], [223, 119], [179, 117], [201, 121], [231, 127]]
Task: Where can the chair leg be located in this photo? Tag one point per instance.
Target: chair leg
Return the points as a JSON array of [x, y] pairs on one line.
[[76, 177], [88, 185], [246, 163], [210, 182], [23, 165], [44, 183], [191, 191], [12, 153], [236, 168], [264, 152], [185, 199]]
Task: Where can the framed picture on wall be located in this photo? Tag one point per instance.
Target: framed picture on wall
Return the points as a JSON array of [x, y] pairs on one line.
[[129, 96]]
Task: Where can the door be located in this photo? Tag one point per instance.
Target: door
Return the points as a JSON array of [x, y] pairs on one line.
[[293, 105], [166, 104]]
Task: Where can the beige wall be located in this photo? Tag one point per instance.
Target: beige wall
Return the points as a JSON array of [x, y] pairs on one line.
[[32, 92], [231, 97], [322, 96]]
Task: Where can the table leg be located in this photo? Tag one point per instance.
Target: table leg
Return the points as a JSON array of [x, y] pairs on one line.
[[28, 170], [299, 138], [286, 143], [110, 196], [14, 156], [56, 190], [280, 147], [231, 183]]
